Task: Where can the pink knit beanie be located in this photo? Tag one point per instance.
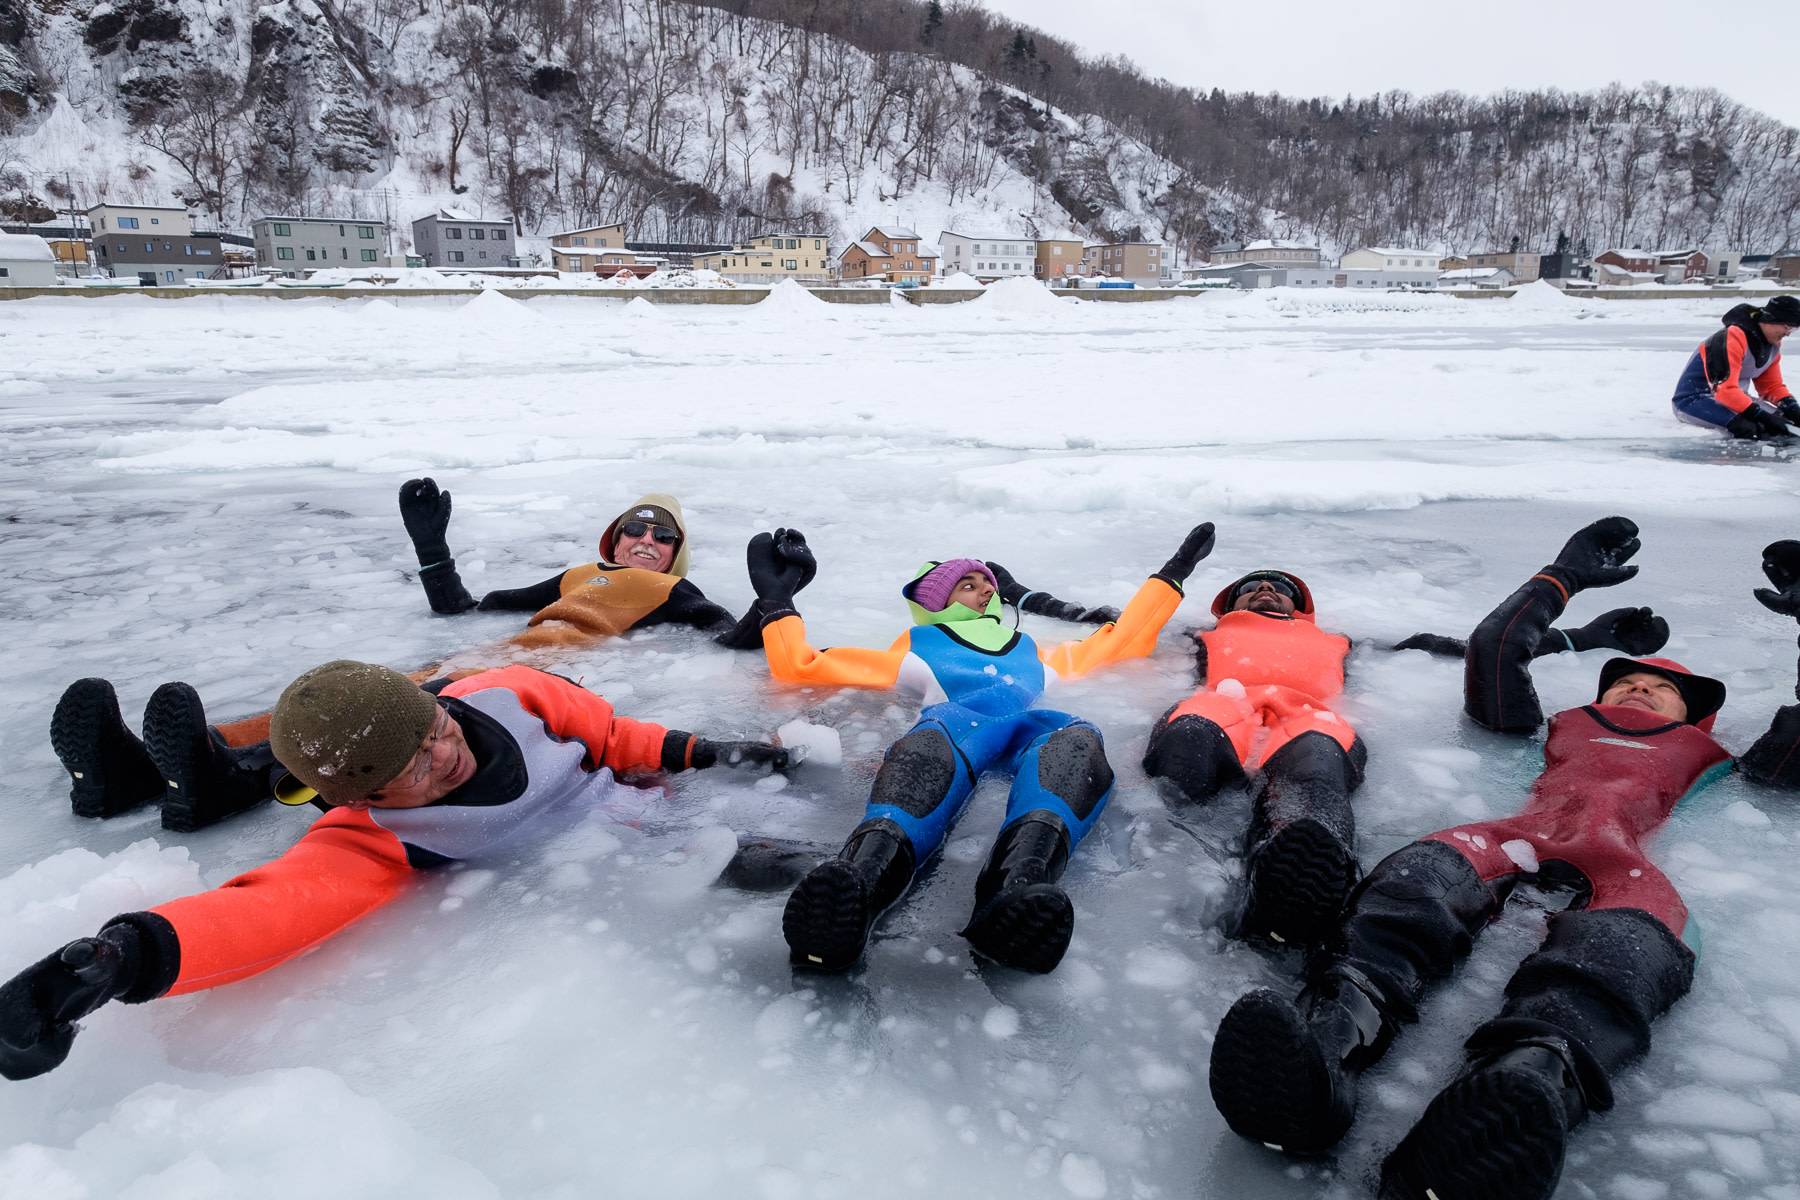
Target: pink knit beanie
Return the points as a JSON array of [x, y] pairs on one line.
[[931, 591]]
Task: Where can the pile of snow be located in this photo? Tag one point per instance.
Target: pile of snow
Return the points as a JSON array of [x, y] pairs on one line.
[[697, 278], [1019, 295], [789, 299], [1539, 293], [640, 309], [71, 894], [490, 311], [960, 280]]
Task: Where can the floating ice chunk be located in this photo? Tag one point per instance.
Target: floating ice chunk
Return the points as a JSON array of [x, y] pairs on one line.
[[71, 894], [1743, 812], [1742, 1156], [1231, 688], [1699, 1106], [1000, 1021], [1162, 1077], [1632, 1187], [1082, 1175], [821, 743], [1159, 969], [1521, 852]]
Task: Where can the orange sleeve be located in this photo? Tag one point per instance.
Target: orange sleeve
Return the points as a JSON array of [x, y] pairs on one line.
[[343, 869], [569, 711], [1726, 391], [1133, 635], [791, 660]]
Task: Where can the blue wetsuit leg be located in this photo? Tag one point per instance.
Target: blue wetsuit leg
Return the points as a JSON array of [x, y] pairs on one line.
[[1080, 811], [976, 741]]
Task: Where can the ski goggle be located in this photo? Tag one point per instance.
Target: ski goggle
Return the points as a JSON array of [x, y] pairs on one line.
[[1280, 583], [662, 533]]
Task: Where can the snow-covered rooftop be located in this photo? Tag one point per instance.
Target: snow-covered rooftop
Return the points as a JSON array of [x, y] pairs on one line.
[[1278, 244], [894, 231], [24, 247], [1399, 250]]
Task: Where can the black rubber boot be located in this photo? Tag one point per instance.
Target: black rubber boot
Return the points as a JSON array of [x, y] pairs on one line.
[[1301, 857], [205, 780], [1194, 754], [1500, 1130], [830, 915], [1284, 1071], [109, 769], [1021, 918]]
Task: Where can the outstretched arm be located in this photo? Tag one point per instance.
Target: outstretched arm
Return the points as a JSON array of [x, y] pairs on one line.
[[1631, 631], [1043, 604], [1133, 635], [1497, 687], [426, 511], [1775, 758]]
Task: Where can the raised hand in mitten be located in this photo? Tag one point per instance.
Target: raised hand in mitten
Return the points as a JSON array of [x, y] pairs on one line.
[[775, 574], [1781, 563], [1597, 554], [791, 548], [1196, 546], [1633, 631], [426, 512]]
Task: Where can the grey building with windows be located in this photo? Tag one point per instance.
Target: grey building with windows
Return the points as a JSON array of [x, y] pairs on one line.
[[156, 244], [452, 238], [294, 245]]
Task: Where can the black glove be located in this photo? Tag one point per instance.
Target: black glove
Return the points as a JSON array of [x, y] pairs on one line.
[[1011, 590], [1044, 604], [779, 566], [39, 1005], [1196, 546], [1757, 422], [1781, 563], [426, 512], [1789, 410], [1632, 631], [736, 754], [1595, 556]]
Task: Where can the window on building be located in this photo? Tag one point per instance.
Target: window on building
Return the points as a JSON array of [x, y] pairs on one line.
[[479, 235], [282, 231], [156, 220], [340, 231], [499, 235], [128, 223], [818, 244], [455, 234], [454, 255], [169, 276], [189, 250], [309, 256], [365, 231], [368, 256], [282, 252], [483, 254], [581, 241], [148, 248], [343, 252], [792, 264]]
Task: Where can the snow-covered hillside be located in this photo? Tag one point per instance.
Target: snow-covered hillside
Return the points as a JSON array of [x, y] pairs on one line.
[[686, 122]]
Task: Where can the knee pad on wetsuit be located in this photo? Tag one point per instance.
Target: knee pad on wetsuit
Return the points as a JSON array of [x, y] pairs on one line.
[[1072, 767], [1194, 754], [1602, 976], [1413, 916], [1319, 759], [917, 773]]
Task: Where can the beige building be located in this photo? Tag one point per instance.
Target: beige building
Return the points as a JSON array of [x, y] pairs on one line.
[[888, 252], [1060, 259], [1390, 258], [1271, 251], [1522, 265], [1147, 264], [598, 248], [772, 257]]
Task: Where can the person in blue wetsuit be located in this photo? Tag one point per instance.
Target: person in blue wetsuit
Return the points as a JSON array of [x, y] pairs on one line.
[[979, 681]]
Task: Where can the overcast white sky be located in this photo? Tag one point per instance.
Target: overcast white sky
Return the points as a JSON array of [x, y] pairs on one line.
[[1338, 47]]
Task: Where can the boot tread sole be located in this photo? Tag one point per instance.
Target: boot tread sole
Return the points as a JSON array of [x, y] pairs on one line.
[[1299, 881], [85, 715], [1269, 1078], [827, 918], [1029, 932], [175, 733], [1493, 1135]]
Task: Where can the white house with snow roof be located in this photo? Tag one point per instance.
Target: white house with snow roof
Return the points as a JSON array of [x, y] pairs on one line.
[[1390, 258], [26, 260]]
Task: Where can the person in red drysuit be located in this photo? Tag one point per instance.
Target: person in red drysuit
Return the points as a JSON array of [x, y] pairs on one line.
[[1577, 1010], [409, 780]]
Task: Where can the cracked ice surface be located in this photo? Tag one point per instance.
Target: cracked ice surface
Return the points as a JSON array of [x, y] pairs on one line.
[[205, 491]]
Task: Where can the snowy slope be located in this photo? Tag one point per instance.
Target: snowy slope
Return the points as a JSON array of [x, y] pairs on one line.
[[685, 122], [213, 500]]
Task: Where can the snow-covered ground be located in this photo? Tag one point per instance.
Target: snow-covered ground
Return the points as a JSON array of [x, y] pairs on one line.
[[205, 491]]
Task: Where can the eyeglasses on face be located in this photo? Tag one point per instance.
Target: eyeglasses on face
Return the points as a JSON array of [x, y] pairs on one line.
[[419, 769], [662, 533], [1278, 582]]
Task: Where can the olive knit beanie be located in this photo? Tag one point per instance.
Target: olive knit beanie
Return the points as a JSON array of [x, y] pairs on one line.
[[346, 728]]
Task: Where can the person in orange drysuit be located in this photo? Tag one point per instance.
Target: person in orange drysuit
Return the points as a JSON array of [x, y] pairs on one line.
[[409, 780]]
